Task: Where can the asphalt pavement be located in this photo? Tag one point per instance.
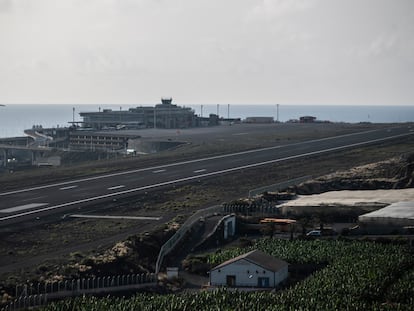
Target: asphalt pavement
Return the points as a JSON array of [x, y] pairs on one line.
[[27, 204]]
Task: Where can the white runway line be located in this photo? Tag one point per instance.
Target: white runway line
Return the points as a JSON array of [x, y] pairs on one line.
[[68, 187], [22, 207], [199, 171], [115, 217], [116, 187], [158, 171]]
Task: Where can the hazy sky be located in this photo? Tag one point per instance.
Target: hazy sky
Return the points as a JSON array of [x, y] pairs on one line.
[[207, 51]]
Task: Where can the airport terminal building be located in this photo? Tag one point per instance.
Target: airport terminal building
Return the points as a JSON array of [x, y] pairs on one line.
[[164, 115]]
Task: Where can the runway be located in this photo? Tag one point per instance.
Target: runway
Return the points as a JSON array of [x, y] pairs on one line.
[[29, 204]]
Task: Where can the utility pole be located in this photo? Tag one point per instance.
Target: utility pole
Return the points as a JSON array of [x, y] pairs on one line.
[[73, 115], [218, 109], [277, 113], [155, 119], [228, 111], [201, 110]]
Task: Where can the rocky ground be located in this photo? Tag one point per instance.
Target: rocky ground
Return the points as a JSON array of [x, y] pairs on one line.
[[394, 173]]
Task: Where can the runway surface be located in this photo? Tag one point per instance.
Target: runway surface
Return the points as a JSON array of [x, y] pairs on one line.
[[30, 203]]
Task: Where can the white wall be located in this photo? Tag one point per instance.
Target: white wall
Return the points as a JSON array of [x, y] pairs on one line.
[[243, 277], [229, 227], [281, 275]]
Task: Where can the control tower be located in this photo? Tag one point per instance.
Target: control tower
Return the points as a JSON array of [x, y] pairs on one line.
[[166, 101]]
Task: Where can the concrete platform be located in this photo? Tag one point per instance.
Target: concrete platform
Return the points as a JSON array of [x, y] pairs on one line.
[[353, 198], [395, 208]]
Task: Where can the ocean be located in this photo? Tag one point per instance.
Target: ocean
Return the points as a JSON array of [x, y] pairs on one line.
[[14, 119]]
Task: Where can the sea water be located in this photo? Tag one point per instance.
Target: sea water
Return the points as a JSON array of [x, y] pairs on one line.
[[14, 119]]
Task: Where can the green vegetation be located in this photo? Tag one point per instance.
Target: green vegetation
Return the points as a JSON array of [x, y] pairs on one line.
[[357, 276], [311, 251], [403, 290]]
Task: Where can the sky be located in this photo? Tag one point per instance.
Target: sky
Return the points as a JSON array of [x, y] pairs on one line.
[[328, 52]]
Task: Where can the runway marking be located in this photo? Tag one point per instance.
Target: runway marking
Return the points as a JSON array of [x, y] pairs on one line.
[[195, 160], [116, 187], [68, 187], [199, 171], [238, 134], [158, 171], [34, 199], [166, 183], [115, 217], [22, 207]]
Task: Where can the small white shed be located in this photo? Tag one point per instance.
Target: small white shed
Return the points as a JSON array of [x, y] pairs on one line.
[[253, 269]]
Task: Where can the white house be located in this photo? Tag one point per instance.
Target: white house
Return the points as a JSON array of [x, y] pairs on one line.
[[253, 269]]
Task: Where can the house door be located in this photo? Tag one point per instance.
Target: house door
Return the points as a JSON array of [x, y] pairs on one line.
[[263, 282], [231, 280]]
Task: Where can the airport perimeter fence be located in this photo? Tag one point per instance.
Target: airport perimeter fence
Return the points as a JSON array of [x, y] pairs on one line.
[[253, 208], [188, 224], [38, 294], [260, 206]]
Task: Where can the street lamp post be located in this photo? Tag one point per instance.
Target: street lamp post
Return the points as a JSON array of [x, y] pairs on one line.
[[155, 118], [277, 113]]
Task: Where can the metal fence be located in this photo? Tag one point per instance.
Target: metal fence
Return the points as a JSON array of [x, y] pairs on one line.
[[251, 208], [280, 186], [23, 303], [38, 294]]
